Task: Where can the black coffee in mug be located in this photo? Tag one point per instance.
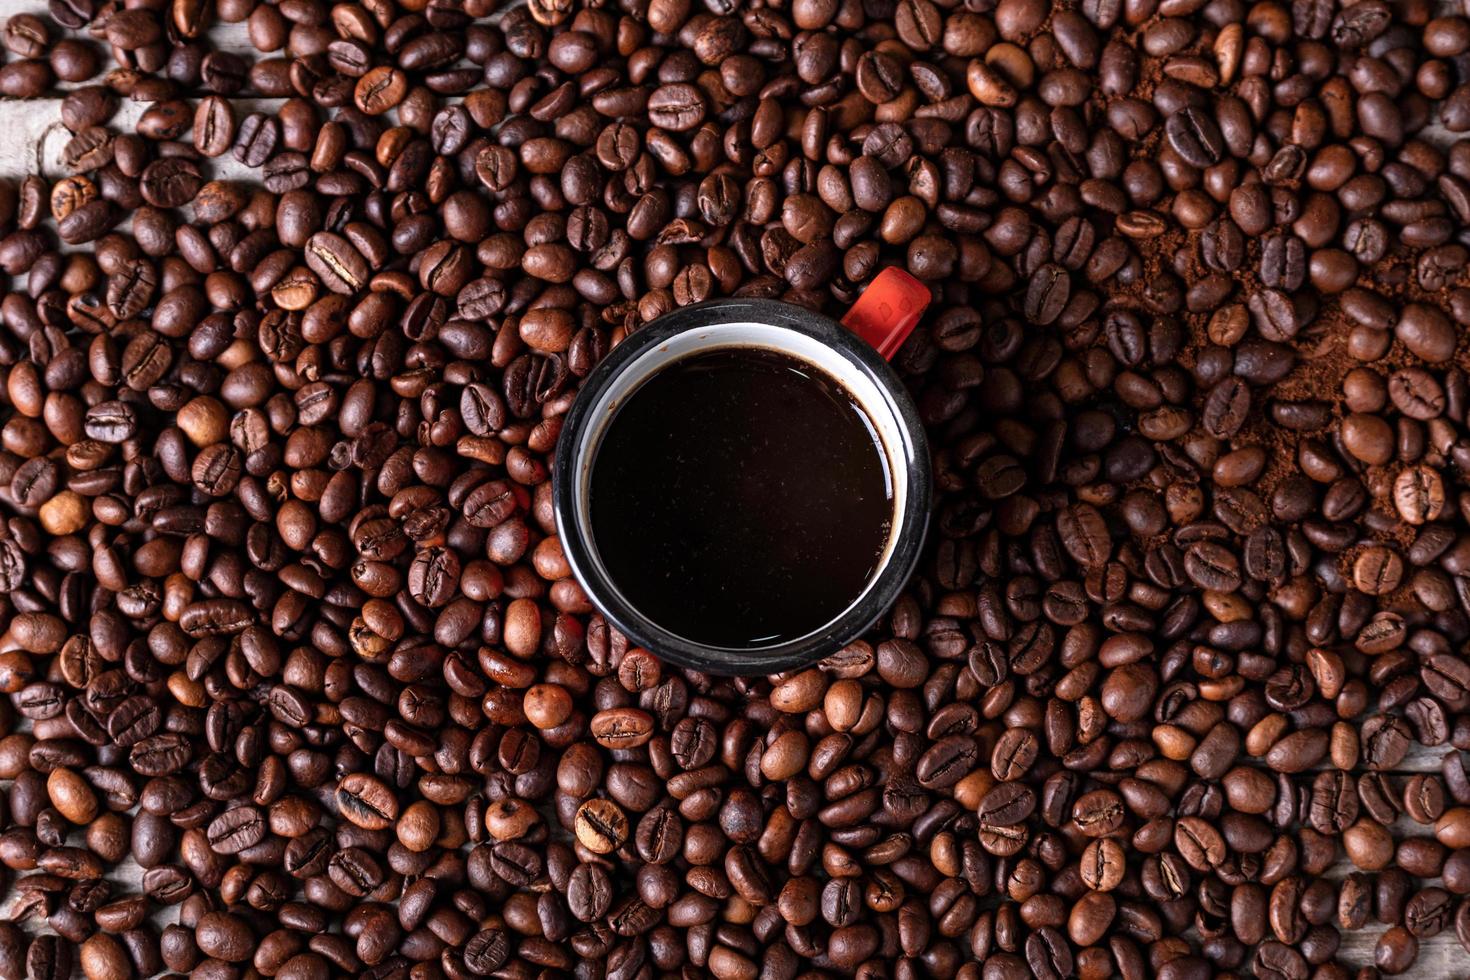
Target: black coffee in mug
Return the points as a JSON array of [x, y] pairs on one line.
[[741, 497], [743, 485]]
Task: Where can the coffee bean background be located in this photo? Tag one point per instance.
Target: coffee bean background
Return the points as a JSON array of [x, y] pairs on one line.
[[914, 642]]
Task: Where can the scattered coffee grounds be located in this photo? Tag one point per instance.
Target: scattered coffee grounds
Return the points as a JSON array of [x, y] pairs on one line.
[[740, 498], [284, 618]]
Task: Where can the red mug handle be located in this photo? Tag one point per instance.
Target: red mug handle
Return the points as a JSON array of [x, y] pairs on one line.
[[888, 310]]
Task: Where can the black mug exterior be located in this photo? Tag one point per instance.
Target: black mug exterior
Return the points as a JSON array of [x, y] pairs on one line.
[[911, 524]]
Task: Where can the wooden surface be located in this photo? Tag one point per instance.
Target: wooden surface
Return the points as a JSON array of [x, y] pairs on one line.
[[31, 133], [31, 140]]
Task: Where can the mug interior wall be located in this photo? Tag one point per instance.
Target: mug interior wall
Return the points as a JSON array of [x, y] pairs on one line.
[[874, 401]]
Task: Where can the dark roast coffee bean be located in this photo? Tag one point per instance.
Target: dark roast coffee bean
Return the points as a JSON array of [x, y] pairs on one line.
[[290, 623]]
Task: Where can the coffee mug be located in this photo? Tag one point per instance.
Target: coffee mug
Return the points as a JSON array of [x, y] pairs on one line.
[[738, 524]]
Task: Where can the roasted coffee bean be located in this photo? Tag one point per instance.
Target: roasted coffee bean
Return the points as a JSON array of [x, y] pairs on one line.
[[367, 802], [601, 826], [340, 266], [236, 830], [282, 574], [171, 182]]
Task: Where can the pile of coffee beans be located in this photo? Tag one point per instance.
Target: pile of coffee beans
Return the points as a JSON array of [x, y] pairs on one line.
[[287, 624]]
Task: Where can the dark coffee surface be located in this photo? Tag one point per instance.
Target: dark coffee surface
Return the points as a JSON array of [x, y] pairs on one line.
[[740, 498]]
